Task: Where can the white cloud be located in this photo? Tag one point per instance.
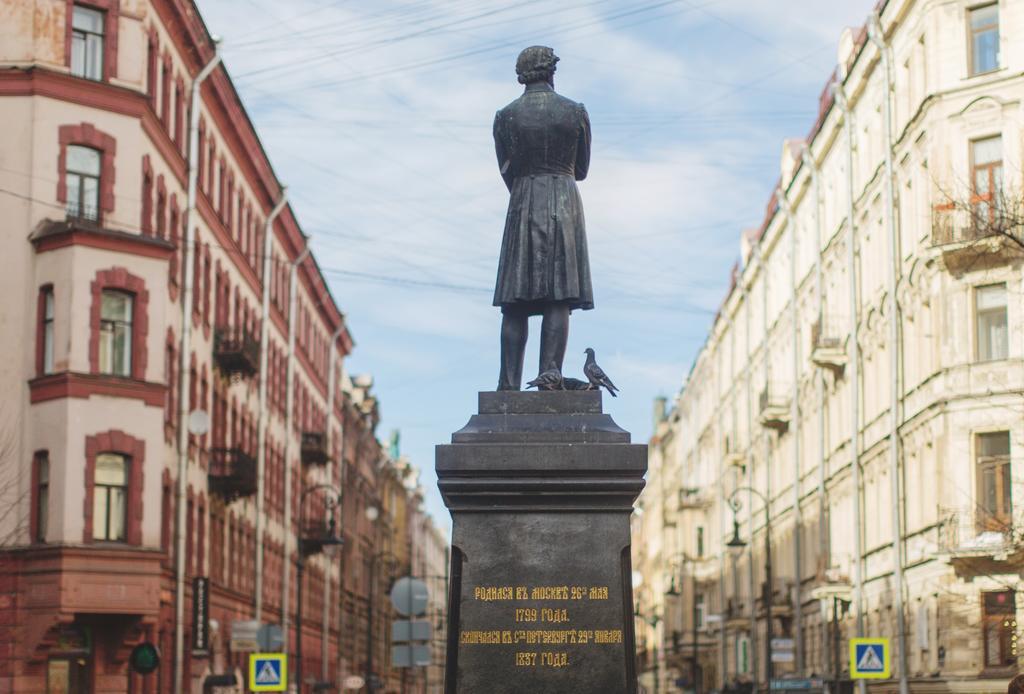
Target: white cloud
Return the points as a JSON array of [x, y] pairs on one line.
[[378, 117]]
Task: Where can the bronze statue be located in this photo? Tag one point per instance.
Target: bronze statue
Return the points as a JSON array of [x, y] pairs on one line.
[[543, 144]]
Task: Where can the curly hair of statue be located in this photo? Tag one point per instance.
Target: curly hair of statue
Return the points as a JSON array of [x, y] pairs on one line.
[[536, 64]]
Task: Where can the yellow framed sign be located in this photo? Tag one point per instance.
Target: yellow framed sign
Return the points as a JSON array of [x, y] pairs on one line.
[[869, 659], [268, 672]]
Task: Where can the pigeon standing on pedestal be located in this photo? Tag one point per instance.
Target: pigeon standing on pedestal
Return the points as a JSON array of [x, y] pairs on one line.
[[596, 375]]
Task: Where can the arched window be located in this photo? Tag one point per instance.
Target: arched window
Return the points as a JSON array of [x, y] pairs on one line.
[[110, 495], [82, 177]]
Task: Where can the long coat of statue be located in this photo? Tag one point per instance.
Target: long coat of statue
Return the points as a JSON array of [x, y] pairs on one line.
[[543, 144]]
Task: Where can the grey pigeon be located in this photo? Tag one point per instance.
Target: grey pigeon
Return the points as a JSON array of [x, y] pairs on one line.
[[576, 384], [549, 380], [596, 375]]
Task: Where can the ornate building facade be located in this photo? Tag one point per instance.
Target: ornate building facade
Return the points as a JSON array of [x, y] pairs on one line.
[[179, 429], [856, 407]]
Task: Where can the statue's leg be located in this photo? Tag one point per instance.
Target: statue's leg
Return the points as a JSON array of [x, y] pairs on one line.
[[514, 329], [554, 336]]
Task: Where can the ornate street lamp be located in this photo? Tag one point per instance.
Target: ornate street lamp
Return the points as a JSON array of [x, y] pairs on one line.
[[736, 546], [328, 543]]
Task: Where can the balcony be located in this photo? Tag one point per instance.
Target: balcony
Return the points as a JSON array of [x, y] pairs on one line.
[[314, 448], [828, 345], [732, 455], [977, 545], [773, 409], [236, 352], [232, 473], [693, 499], [969, 243]]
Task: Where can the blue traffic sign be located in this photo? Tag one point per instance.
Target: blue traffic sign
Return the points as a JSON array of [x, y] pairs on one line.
[[869, 658], [268, 672]]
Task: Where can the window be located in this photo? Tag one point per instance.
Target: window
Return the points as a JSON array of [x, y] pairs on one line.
[[42, 506], [82, 176], [999, 627], [986, 179], [994, 498], [699, 610], [46, 330], [87, 43], [700, 541], [116, 333], [990, 316], [109, 511], [984, 33]]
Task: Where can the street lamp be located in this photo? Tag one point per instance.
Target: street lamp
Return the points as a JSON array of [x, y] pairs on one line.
[[372, 514], [653, 620], [840, 595], [694, 659], [736, 546], [328, 544]]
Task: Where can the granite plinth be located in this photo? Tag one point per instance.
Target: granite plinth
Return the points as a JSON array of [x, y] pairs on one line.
[[540, 487]]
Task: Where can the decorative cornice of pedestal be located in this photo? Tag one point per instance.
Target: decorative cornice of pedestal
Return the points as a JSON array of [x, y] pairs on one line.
[[546, 451]]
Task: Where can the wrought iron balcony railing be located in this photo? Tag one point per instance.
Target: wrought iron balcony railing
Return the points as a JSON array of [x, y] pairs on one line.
[[236, 352], [314, 448], [232, 473]]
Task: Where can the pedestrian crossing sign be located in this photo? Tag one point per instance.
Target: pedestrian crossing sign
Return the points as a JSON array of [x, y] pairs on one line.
[[268, 672], [869, 658]]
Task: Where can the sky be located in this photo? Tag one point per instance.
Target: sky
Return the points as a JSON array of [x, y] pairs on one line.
[[377, 116]]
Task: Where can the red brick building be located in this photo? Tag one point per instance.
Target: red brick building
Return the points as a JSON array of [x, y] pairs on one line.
[[94, 194]]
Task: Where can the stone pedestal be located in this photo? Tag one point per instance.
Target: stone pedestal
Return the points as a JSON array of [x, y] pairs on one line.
[[540, 487]]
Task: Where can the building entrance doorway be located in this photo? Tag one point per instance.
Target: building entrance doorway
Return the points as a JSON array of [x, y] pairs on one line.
[[68, 675]]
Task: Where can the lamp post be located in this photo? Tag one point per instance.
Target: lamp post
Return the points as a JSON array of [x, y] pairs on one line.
[[370, 685], [736, 546], [329, 544], [653, 621], [694, 660], [840, 595]]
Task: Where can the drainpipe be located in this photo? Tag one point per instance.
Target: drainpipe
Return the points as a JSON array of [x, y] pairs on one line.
[[261, 437], [794, 418], [766, 438], [876, 36], [824, 540], [326, 614], [851, 258], [288, 436], [184, 374], [753, 651]]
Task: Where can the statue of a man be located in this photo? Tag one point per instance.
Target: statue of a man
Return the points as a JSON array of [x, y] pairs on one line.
[[543, 145]]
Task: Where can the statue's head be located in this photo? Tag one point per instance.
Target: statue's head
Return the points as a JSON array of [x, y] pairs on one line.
[[536, 64]]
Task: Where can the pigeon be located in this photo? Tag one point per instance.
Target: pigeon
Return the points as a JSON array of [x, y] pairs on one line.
[[549, 380], [576, 384], [596, 375]]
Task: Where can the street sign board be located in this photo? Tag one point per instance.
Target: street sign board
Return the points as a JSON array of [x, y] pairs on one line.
[[403, 630], [245, 635], [797, 685], [200, 615], [268, 672], [270, 638], [783, 656], [409, 596], [869, 658], [783, 644], [410, 656]]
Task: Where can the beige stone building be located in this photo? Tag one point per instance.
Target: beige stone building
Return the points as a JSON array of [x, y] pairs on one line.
[[860, 391]]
